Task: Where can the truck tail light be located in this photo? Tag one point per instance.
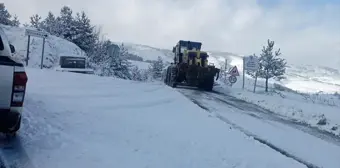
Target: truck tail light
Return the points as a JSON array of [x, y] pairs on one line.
[[19, 88]]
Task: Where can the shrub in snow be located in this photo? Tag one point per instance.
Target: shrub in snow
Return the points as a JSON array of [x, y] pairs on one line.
[[136, 74], [322, 120], [156, 68]]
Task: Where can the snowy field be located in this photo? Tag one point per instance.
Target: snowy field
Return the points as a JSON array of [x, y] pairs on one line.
[[319, 110], [75, 120], [307, 145]]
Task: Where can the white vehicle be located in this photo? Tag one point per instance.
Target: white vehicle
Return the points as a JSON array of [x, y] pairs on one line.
[[13, 81]]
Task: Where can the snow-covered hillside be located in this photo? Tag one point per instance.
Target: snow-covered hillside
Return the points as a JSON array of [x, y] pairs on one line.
[[54, 47], [303, 78], [148, 52]]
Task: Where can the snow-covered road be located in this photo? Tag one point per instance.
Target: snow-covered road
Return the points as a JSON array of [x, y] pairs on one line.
[[305, 144], [73, 120]]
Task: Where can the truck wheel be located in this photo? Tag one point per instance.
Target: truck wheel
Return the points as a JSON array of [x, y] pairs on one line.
[[172, 76], [209, 84], [13, 132], [166, 76]]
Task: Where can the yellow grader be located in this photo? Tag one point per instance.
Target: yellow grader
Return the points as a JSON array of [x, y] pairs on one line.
[[190, 67]]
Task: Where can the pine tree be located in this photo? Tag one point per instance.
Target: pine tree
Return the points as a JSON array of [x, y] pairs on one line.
[[5, 16], [124, 63], [85, 36], [35, 21], [270, 63], [50, 24], [15, 21], [108, 62], [114, 64], [156, 68], [67, 25]]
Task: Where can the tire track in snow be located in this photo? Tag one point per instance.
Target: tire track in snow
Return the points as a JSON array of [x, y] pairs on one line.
[[255, 137], [265, 114], [12, 154], [262, 141]]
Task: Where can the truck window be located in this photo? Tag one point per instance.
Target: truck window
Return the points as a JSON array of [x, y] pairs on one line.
[[1, 44]]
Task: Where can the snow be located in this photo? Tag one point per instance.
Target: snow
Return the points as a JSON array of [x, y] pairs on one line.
[[307, 96], [149, 53], [303, 107], [54, 47], [283, 135], [140, 64], [78, 120], [303, 78]]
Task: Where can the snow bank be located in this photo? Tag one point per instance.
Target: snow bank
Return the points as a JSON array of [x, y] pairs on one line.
[[318, 110], [78, 120], [54, 47], [307, 95], [294, 140]]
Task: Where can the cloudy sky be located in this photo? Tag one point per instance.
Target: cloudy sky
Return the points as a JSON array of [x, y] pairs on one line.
[[307, 31]]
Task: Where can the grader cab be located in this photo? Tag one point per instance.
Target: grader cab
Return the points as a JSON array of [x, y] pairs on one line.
[[190, 67]]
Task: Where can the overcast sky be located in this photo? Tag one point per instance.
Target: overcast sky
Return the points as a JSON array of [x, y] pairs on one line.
[[307, 31]]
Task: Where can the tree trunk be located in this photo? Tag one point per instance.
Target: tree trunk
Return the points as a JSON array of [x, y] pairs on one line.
[[266, 84]]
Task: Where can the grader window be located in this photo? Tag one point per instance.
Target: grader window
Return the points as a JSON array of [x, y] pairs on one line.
[[192, 55], [183, 48]]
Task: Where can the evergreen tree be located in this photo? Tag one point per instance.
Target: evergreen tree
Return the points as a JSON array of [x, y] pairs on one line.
[[15, 21], [125, 65], [35, 21], [5, 16], [108, 61], [50, 24], [270, 63], [156, 68], [85, 36], [67, 25], [114, 64]]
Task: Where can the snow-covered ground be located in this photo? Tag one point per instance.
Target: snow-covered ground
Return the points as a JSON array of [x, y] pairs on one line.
[[78, 120], [309, 146], [54, 47], [312, 102], [308, 108], [319, 110]]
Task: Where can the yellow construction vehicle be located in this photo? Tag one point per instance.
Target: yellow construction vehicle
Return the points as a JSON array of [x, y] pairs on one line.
[[190, 67]]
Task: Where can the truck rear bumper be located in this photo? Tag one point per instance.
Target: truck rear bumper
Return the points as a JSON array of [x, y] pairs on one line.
[[8, 120]]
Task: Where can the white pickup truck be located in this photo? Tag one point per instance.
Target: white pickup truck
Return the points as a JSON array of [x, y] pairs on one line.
[[13, 81]]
